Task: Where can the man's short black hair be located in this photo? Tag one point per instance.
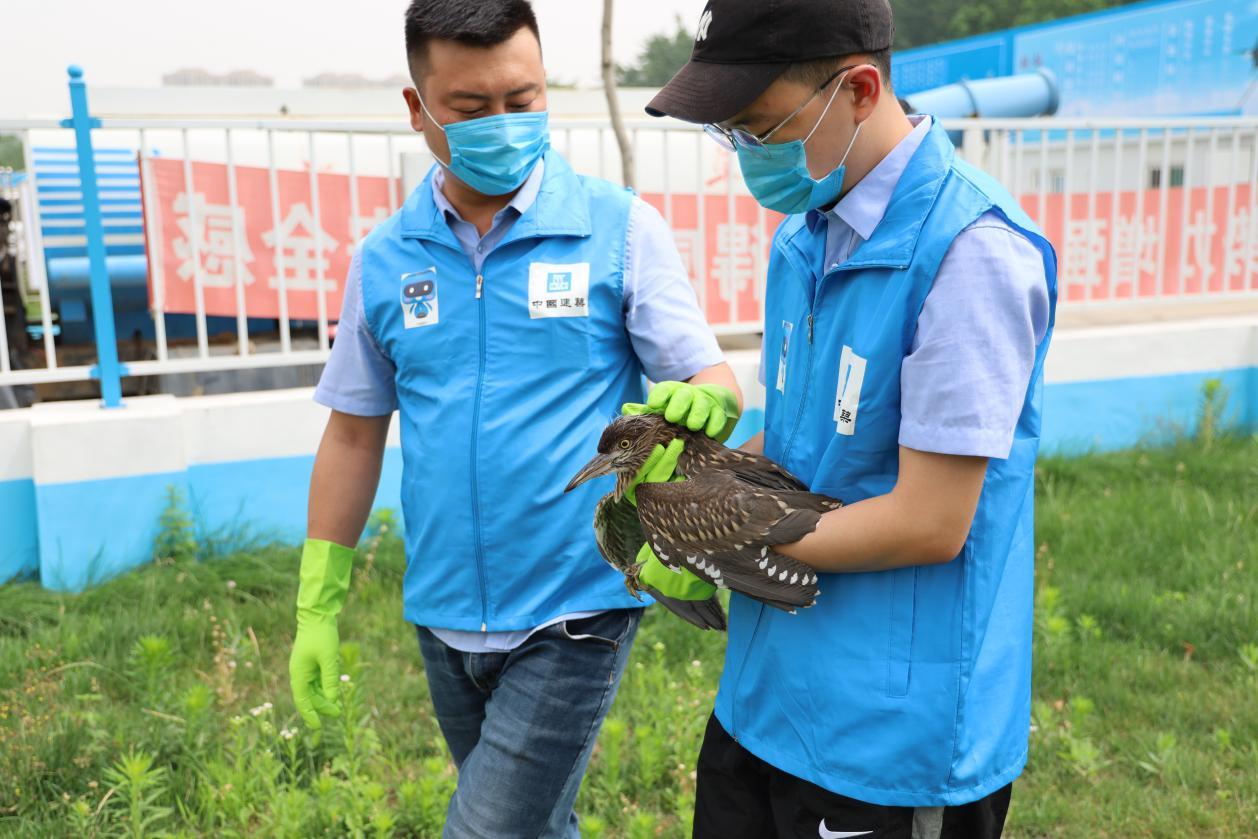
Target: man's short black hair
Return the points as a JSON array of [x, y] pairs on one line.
[[814, 73], [477, 23]]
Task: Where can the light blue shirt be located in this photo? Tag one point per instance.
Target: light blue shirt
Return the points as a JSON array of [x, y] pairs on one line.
[[666, 328], [963, 383]]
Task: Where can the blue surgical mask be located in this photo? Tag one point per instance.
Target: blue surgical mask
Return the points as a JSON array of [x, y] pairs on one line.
[[494, 155], [777, 173]]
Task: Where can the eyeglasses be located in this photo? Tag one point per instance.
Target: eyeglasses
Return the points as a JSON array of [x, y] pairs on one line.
[[733, 139]]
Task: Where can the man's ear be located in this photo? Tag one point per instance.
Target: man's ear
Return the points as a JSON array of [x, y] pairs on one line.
[[866, 85], [416, 112]]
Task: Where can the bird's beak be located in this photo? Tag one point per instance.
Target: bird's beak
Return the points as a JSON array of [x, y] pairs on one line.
[[600, 465]]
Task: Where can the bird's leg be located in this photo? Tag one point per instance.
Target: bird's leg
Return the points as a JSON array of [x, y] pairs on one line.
[[631, 580]]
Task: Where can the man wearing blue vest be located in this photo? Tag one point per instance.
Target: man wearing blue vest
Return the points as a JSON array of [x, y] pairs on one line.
[[507, 311], [909, 306]]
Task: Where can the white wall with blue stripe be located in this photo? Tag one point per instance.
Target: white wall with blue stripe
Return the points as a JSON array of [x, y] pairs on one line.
[[82, 490]]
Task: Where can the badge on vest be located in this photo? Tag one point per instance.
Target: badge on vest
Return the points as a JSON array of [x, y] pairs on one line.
[[559, 291], [419, 298], [787, 328], [851, 376]]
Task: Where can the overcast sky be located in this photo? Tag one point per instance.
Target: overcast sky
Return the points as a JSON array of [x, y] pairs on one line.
[[133, 42]]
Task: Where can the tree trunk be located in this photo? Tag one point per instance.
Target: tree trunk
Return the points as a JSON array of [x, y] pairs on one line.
[[613, 103]]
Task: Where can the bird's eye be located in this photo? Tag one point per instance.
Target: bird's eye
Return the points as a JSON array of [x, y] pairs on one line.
[[624, 444]]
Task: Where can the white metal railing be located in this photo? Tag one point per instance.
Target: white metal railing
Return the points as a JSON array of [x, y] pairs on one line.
[[1140, 210], [1158, 210]]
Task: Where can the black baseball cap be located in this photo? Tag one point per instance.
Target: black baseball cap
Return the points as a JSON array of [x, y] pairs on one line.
[[742, 46]]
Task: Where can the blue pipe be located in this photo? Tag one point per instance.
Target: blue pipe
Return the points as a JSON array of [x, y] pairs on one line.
[[1024, 95], [107, 366]]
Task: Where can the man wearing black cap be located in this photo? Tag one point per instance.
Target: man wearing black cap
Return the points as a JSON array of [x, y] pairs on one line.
[[908, 309]]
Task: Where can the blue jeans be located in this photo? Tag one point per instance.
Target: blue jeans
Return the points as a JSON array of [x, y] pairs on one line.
[[521, 724]]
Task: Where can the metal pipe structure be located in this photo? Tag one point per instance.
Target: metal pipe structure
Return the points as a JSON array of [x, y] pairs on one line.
[[1024, 95]]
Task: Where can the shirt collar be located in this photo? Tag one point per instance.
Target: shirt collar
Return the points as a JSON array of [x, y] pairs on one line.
[[866, 203], [519, 203], [560, 208]]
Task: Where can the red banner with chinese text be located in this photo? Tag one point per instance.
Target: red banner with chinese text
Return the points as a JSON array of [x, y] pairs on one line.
[[1147, 245], [191, 234], [728, 262], [1138, 249]]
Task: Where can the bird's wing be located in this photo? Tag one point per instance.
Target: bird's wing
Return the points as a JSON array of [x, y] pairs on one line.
[[705, 614], [722, 530], [617, 531], [760, 471]]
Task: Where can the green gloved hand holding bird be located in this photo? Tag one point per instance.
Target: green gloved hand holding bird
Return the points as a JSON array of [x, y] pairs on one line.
[[709, 408]]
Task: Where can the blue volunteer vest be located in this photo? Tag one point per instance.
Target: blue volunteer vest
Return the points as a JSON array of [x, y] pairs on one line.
[[504, 381], [909, 687]]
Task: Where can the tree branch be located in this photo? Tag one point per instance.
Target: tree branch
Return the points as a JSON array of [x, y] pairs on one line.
[[613, 102]]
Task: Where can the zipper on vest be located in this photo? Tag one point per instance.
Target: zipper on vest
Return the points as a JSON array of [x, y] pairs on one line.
[[480, 384], [803, 400]]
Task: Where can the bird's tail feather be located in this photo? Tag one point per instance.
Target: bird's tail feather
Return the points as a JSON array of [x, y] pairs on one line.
[[801, 592], [705, 614]]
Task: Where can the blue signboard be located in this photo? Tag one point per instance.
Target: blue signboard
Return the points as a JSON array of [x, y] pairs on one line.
[[1170, 59], [1189, 57], [972, 58]]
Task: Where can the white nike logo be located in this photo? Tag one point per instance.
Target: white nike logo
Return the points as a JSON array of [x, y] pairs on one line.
[[839, 834]]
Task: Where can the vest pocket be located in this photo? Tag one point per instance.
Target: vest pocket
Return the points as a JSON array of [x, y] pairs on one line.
[[900, 645], [565, 342], [609, 628]]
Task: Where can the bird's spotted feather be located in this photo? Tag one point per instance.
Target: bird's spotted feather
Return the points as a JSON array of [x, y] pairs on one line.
[[722, 528]]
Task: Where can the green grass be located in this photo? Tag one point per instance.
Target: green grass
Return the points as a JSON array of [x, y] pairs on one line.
[[141, 707]]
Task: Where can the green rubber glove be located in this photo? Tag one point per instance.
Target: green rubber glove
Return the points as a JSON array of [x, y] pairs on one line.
[[679, 586], [658, 468], [314, 666], [711, 409]]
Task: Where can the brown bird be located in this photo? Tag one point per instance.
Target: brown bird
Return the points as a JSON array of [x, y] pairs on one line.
[[721, 523]]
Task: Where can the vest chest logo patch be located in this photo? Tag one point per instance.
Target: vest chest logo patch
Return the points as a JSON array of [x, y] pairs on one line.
[[559, 291], [787, 328], [848, 398], [419, 298]]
